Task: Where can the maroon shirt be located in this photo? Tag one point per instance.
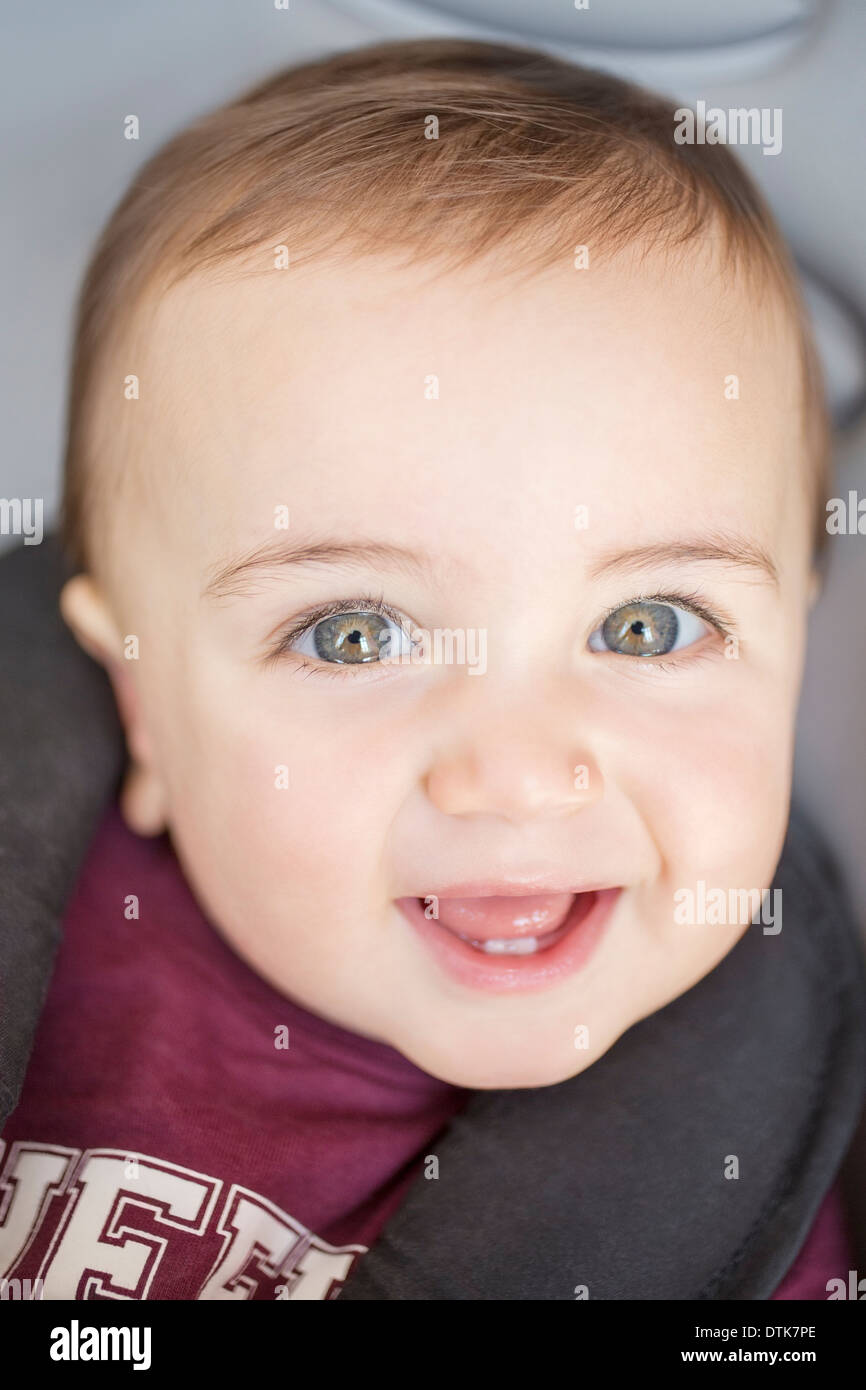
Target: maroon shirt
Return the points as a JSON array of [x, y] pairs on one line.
[[165, 1147]]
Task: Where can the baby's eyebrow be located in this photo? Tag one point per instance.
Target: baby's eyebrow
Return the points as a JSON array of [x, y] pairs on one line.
[[725, 550], [235, 578]]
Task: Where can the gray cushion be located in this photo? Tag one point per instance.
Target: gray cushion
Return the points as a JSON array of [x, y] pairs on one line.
[[61, 751]]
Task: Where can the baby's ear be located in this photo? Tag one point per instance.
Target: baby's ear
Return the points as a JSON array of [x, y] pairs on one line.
[[88, 615]]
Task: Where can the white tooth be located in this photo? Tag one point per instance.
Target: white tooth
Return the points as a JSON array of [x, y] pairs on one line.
[[519, 946]]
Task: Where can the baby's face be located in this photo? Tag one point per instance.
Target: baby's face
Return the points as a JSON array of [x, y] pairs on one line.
[[559, 471]]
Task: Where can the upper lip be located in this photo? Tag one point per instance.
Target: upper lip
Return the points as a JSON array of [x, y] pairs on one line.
[[514, 888]]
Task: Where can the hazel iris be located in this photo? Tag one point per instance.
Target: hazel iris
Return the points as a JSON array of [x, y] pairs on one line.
[[351, 638], [641, 629]]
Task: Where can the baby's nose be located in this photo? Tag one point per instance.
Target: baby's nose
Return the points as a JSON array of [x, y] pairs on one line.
[[517, 777]]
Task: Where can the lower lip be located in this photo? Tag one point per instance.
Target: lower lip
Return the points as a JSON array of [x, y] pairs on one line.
[[496, 973]]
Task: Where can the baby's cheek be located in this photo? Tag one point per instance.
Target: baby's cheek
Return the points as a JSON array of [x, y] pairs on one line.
[[288, 809], [715, 794]]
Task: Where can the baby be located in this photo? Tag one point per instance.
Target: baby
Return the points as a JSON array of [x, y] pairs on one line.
[[445, 489]]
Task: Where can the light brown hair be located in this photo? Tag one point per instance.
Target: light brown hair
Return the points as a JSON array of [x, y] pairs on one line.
[[533, 155]]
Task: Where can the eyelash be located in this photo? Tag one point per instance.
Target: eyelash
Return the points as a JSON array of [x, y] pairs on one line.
[[375, 603], [693, 603], [365, 603]]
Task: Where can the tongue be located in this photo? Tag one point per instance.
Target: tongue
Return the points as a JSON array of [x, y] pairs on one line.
[[492, 919]]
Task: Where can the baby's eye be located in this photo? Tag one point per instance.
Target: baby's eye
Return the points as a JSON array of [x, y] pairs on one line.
[[353, 638], [647, 628]]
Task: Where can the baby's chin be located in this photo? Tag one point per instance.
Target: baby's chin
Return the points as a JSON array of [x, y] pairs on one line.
[[500, 1062]]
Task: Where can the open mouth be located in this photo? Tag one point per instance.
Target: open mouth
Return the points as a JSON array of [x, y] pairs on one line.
[[504, 940], [527, 924]]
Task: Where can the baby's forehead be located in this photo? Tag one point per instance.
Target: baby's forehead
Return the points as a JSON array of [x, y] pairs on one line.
[[362, 390], [324, 327]]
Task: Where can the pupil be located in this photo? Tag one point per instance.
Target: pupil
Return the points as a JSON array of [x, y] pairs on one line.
[[354, 637], [637, 628]]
